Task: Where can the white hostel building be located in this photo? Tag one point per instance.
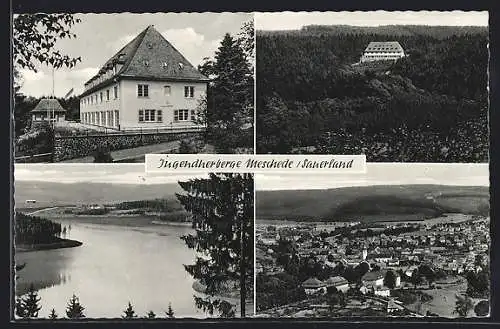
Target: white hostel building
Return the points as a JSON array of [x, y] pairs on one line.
[[148, 84]]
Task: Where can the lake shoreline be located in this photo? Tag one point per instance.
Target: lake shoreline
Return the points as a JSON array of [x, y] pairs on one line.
[[127, 220], [234, 294], [62, 243]]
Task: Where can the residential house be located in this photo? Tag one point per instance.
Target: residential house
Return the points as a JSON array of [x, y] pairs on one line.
[[338, 282], [374, 278], [148, 84], [269, 238], [382, 291], [314, 286]]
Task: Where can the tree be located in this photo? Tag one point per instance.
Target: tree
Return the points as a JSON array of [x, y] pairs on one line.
[[478, 284], [151, 315], [170, 311], [482, 308], [229, 103], [34, 37], [74, 310], [102, 155], [428, 273], [222, 214], [463, 305], [53, 314], [19, 308], [335, 297], [31, 303], [416, 278], [246, 39], [390, 279], [129, 312]]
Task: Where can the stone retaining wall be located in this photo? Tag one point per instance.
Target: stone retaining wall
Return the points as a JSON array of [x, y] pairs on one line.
[[71, 147]]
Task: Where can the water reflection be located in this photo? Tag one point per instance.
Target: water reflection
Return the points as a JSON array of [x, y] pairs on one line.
[[43, 269], [115, 265]]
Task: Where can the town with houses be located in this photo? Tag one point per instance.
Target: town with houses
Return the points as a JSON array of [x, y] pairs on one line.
[[359, 268]]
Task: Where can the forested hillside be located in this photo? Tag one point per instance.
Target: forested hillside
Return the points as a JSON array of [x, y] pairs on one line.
[[373, 202], [428, 106]]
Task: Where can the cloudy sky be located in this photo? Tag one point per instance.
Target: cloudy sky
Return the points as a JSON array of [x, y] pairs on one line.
[[293, 21], [382, 174], [102, 173], [100, 36]]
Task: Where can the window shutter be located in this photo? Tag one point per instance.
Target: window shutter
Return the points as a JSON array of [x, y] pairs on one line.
[[176, 115], [146, 90], [139, 90], [159, 116], [193, 115], [141, 115]]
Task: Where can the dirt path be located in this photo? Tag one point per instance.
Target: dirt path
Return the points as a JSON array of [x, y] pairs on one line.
[[41, 210]]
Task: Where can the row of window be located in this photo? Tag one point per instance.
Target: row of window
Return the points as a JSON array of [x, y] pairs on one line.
[[143, 91], [150, 115], [102, 118], [382, 56], [99, 97]]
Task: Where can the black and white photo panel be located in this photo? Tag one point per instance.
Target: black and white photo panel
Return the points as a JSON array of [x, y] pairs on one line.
[[395, 86], [107, 242], [403, 240], [114, 87]]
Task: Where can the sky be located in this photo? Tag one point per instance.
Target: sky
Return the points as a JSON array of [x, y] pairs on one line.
[[296, 20], [100, 36], [88, 173], [382, 174]]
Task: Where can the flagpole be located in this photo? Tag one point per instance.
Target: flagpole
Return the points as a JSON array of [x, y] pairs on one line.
[[53, 96]]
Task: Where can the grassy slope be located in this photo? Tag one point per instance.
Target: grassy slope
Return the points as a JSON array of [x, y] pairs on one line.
[[353, 202]]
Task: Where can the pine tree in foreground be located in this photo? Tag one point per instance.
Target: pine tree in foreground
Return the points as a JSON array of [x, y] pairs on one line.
[[129, 312], [170, 311], [74, 310], [19, 307], [53, 314], [31, 303], [222, 213], [151, 315]]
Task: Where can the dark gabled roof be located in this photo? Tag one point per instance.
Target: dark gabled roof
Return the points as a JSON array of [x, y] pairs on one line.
[[48, 105], [149, 56], [336, 280], [375, 275], [382, 47], [313, 283]]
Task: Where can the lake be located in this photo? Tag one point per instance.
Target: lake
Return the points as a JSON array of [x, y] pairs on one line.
[[115, 265]]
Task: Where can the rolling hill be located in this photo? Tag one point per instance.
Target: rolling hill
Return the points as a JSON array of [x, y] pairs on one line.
[[57, 194], [374, 203], [438, 32]]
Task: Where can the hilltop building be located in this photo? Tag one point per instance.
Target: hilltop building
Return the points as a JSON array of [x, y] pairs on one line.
[[146, 84], [48, 109], [383, 51]]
